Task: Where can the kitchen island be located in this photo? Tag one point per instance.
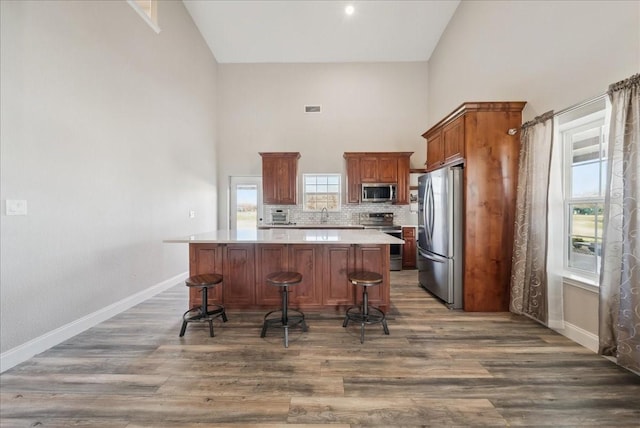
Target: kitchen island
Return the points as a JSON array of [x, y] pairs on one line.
[[324, 257]]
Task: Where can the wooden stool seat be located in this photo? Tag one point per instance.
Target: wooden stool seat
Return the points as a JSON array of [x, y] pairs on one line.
[[284, 280], [203, 313], [205, 280], [365, 314]]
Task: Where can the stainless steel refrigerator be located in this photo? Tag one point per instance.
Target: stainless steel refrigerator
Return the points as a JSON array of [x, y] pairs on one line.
[[440, 234]]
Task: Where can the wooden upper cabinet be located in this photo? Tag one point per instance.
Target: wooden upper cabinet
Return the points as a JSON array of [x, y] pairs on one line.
[[353, 179], [403, 164], [453, 140], [280, 178], [435, 152], [388, 169], [445, 144], [369, 169], [377, 167]]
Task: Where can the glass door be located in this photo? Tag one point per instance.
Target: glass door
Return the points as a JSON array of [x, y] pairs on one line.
[[245, 202]]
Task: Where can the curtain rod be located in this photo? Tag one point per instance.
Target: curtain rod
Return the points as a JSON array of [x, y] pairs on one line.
[[580, 104]]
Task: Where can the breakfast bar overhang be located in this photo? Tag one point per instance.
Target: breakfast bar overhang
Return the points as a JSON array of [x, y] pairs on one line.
[[324, 258]]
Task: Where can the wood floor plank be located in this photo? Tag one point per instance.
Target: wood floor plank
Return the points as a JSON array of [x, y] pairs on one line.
[[436, 368], [372, 411]]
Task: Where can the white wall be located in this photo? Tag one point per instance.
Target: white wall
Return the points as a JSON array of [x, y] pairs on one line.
[[108, 130], [552, 54], [365, 107]]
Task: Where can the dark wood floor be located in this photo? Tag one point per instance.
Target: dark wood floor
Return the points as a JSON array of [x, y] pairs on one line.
[[437, 368]]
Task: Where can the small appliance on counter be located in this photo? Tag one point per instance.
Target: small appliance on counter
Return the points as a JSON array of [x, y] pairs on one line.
[[279, 216]]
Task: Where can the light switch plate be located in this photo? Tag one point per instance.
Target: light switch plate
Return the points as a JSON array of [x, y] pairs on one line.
[[192, 214], [16, 207]]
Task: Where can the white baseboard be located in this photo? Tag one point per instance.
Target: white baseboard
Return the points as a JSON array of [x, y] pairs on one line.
[[580, 336], [23, 352]]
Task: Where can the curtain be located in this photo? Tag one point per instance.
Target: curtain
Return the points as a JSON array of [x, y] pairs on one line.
[[528, 277], [619, 329]]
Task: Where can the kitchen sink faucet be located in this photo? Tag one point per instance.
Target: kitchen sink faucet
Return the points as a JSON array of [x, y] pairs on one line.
[[324, 215]]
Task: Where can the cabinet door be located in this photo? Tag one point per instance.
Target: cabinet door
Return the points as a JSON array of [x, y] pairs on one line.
[[269, 258], [269, 180], [435, 153], [375, 258], [287, 177], [307, 260], [339, 260], [369, 169], [388, 169], [239, 275], [280, 178], [453, 140], [409, 248], [353, 180], [206, 258], [402, 196]]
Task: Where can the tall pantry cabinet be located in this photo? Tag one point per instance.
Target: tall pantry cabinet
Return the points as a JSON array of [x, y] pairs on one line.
[[485, 138]]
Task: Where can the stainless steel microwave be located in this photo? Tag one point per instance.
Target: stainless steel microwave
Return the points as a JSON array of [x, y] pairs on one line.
[[378, 192]]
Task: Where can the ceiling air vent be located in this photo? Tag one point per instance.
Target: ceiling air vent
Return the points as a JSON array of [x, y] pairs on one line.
[[312, 109]]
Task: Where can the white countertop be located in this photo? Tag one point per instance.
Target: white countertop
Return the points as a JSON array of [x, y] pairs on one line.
[[291, 236], [310, 226]]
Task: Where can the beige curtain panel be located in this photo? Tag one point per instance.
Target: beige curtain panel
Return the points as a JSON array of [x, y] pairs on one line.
[[619, 330], [529, 264]]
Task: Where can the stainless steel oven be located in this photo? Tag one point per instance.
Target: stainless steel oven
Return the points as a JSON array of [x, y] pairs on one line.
[[384, 223]]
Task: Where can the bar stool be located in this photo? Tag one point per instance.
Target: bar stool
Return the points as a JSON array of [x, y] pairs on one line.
[[203, 313], [284, 280], [365, 314]]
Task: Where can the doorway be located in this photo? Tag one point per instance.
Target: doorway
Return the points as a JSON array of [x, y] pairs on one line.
[[245, 202]]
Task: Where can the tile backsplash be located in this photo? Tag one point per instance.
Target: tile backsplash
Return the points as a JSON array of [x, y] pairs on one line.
[[348, 213]]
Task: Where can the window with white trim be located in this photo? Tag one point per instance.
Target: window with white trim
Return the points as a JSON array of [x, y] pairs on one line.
[[148, 10], [321, 191], [584, 141]]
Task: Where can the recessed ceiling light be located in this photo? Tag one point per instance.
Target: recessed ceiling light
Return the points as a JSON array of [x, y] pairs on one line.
[[349, 9]]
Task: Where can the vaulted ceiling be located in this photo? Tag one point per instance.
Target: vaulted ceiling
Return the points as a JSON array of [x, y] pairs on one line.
[[298, 31]]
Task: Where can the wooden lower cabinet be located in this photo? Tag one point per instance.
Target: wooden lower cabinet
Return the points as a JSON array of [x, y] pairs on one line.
[[338, 261], [306, 259], [409, 250], [269, 258], [205, 258], [324, 269], [239, 275], [374, 258]]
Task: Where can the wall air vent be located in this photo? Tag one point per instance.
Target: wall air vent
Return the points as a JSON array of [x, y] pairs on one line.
[[312, 109]]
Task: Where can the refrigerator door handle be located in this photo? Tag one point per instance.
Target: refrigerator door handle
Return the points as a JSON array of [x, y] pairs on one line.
[[431, 210], [430, 257]]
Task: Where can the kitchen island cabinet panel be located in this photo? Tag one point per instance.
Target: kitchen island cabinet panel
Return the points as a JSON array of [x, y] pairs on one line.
[[206, 258], [339, 260], [239, 275], [269, 258], [374, 258], [307, 260]]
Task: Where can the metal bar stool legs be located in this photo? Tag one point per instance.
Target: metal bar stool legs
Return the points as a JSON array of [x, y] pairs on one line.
[[203, 313], [284, 280], [365, 314]]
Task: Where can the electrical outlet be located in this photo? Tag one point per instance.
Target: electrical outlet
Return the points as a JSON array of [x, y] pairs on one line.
[[16, 207]]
